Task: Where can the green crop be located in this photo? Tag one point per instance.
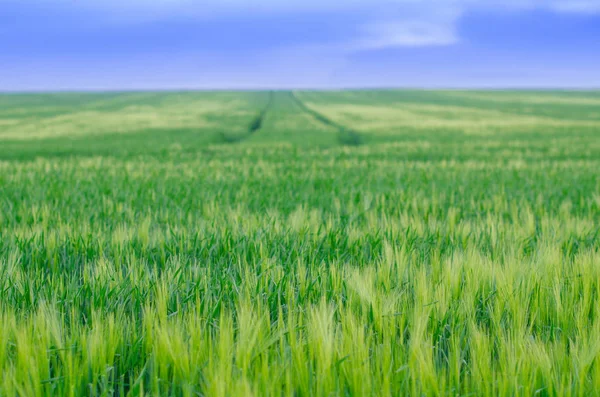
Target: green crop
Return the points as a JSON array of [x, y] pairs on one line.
[[352, 243]]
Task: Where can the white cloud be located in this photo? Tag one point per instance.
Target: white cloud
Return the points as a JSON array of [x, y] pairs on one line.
[[414, 33], [411, 27]]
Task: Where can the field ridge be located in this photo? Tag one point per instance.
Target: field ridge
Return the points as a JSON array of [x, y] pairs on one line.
[[255, 124], [346, 136]]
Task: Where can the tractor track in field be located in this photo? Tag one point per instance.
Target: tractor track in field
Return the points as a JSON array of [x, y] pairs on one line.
[[255, 125], [346, 136]]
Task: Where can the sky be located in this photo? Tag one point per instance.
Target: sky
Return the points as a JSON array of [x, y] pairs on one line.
[[49, 45]]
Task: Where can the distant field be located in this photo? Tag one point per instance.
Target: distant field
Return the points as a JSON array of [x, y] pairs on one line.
[[347, 243]]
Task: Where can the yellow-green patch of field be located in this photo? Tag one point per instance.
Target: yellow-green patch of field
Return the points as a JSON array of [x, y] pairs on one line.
[[390, 119], [172, 114], [8, 122], [528, 98]]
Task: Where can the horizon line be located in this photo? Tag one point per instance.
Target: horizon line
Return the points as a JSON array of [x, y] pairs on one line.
[[324, 89]]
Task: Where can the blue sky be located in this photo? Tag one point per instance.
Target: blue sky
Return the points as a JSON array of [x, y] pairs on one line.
[[172, 44]]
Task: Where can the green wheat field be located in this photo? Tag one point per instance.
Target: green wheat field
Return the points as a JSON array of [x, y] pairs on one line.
[[342, 243]]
